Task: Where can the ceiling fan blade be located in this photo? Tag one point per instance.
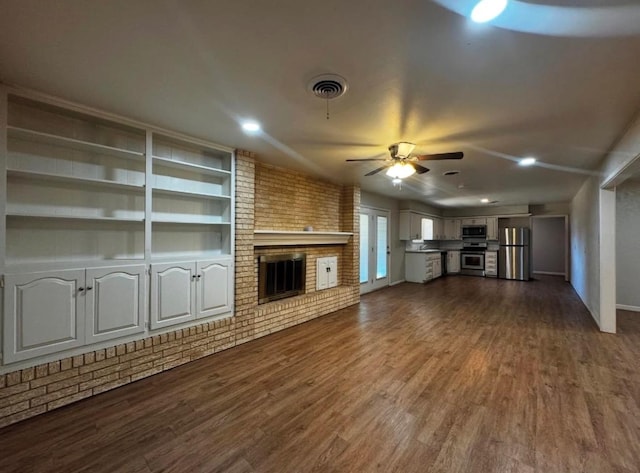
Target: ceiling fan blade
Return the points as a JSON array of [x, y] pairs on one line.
[[419, 169], [435, 157], [366, 159], [376, 171]]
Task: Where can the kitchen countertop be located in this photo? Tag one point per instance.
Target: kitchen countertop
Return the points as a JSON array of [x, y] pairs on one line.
[[425, 251]]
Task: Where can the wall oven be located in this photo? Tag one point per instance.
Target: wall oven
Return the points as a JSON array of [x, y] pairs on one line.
[[472, 259]]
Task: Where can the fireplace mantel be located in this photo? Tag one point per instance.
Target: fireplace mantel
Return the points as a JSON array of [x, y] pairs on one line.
[[290, 238]]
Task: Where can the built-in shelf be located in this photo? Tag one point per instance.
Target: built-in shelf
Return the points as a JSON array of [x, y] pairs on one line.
[[44, 176], [187, 221], [190, 167], [166, 190], [73, 217], [290, 238], [37, 136]]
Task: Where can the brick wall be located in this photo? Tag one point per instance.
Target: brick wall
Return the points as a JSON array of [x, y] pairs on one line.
[[300, 202]]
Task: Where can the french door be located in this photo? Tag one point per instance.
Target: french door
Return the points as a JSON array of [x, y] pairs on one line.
[[374, 249]]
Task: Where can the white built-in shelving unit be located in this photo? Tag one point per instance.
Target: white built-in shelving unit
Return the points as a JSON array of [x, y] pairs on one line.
[[97, 206]]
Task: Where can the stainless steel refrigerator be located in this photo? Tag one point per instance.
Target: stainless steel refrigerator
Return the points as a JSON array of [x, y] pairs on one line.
[[513, 256]]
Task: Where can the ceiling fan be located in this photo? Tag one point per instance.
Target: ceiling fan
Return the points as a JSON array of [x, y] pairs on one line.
[[401, 165]]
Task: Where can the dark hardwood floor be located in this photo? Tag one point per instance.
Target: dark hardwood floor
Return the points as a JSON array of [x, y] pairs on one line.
[[460, 375]]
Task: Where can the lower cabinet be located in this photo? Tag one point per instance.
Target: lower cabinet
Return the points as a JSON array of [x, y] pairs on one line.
[[453, 261], [186, 291], [422, 267], [491, 264], [53, 311]]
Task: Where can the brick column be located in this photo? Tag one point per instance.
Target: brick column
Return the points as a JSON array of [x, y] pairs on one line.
[[350, 222], [246, 282]]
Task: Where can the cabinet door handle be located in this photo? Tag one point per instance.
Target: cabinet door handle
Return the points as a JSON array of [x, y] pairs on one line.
[[80, 289], [193, 278], [89, 288], [199, 276]]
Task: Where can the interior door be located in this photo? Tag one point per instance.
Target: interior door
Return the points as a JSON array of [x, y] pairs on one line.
[[374, 249]]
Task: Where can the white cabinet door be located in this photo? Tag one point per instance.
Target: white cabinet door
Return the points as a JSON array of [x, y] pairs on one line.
[[115, 302], [453, 262], [491, 263], [415, 267], [438, 229], [437, 268], [214, 287], [173, 293], [452, 229], [416, 227], [43, 313], [492, 228]]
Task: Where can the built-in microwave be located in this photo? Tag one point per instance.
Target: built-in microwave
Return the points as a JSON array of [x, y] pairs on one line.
[[474, 231]]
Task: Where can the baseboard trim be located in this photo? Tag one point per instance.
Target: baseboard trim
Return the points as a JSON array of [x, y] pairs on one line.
[[593, 315], [630, 308], [395, 283], [549, 273]]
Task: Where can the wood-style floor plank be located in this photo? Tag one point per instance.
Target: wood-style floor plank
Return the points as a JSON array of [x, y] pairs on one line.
[[461, 375]]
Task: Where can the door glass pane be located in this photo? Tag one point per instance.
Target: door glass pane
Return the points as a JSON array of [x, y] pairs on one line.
[[364, 248], [381, 247]]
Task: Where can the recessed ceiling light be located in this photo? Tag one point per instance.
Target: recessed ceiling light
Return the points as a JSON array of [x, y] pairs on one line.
[[527, 162], [485, 201], [487, 10], [251, 126]]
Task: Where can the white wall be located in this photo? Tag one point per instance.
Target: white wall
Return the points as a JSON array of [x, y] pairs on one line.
[[628, 244], [585, 249], [548, 245], [397, 247]]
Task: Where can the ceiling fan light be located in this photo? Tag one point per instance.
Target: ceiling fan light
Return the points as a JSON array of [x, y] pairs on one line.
[[400, 170]]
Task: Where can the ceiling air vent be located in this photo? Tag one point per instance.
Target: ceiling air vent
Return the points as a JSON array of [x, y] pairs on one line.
[[450, 173], [328, 86]]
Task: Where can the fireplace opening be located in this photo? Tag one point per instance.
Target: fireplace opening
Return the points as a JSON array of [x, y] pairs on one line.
[[281, 276]]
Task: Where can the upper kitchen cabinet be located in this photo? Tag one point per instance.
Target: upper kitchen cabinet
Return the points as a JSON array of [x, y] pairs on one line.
[[474, 221], [492, 228], [452, 229], [416, 226], [410, 225]]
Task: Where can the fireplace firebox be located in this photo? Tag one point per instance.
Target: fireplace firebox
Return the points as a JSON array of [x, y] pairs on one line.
[[281, 276]]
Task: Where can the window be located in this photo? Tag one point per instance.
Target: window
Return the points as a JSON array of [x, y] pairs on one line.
[[427, 229]]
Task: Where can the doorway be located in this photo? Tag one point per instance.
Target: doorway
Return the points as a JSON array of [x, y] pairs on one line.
[[550, 245], [374, 249]]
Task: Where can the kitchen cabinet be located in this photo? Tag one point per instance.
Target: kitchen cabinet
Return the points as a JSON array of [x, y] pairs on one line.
[[492, 228], [52, 311], [474, 221], [452, 229], [438, 229], [410, 225], [491, 264], [422, 267], [436, 267], [185, 291], [453, 262]]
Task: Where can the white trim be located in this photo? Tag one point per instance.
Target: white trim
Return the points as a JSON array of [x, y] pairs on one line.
[[395, 283], [607, 232], [549, 273], [288, 238], [630, 308]]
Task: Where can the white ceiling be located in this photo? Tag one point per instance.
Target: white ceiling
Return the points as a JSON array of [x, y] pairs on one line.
[[417, 71]]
